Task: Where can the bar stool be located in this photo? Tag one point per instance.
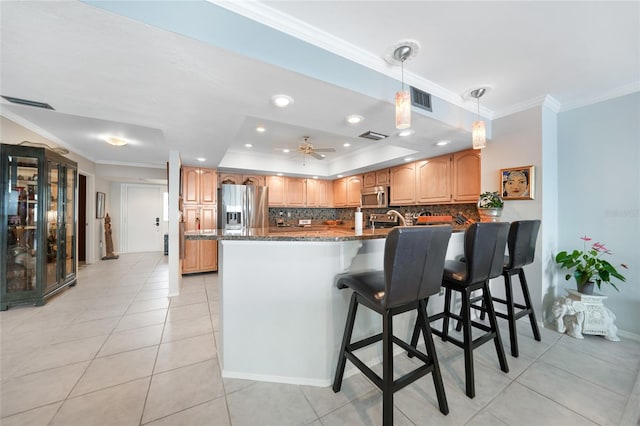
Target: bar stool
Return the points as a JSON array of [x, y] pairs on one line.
[[413, 267], [522, 248], [484, 246]]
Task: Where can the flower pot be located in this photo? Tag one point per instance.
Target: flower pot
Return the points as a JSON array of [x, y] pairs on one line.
[[490, 215], [586, 288]]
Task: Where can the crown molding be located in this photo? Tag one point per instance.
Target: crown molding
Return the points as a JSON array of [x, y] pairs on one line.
[[263, 14], [611, 94]]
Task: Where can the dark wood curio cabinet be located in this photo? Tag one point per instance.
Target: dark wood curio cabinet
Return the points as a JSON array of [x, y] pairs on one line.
[[38, 227]]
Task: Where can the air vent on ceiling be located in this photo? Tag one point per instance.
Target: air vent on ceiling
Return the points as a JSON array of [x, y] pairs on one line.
[[373, 135], [420, 99], [28, 102]]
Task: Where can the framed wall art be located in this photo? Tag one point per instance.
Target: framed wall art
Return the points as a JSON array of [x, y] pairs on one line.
[[100, 199], [517, 183]]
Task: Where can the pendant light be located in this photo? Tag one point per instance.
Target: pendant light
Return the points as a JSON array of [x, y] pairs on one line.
[[403, 98], [478, 131]]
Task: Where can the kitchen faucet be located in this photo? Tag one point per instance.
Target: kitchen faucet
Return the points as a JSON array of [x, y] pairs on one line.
[[399, 216]]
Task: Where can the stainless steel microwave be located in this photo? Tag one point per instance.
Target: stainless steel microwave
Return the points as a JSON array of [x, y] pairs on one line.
[[376, 197]]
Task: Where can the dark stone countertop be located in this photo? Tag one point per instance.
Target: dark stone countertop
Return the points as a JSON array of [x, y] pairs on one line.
[[320, 233]]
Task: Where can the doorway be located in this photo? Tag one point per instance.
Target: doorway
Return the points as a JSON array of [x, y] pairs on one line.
[[143, 212], [82, 219]]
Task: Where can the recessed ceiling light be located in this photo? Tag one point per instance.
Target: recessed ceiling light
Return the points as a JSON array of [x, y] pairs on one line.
[[408, 159], [282, 100], [315, 177], [116, 141], [407, 132], [279, 174], [247, 145], [201, 159], [442, 143], [260, 129], [354, 119], [340, 176], [346, 145], [286, 151], [322, 155]]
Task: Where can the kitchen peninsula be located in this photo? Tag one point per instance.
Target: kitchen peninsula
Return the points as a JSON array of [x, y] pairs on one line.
[[281, 315]]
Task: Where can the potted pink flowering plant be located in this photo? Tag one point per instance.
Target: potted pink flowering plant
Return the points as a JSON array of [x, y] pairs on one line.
[[589, 266]]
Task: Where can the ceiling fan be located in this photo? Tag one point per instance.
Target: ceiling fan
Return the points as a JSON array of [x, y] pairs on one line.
[[308, 148]]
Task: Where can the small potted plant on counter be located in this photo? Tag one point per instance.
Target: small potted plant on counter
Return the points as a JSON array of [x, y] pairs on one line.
[[490, 206], [589, 267]]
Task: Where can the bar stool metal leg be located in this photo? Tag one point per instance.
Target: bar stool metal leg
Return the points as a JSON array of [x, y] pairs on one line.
[[387, 369], [468, 343], [511, 315]]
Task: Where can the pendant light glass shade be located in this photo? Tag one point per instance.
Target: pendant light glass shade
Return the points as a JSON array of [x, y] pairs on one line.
[[479, 135], [403, 109], [403, 97], [478, 130]]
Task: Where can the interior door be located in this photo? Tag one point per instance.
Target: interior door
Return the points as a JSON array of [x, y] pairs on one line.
[[143, 218]]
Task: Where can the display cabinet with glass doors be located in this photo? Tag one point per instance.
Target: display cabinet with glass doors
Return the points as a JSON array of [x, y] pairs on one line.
[[38, 228]]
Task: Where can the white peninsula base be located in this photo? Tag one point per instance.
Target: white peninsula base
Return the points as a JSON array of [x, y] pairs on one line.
[[282, 317]]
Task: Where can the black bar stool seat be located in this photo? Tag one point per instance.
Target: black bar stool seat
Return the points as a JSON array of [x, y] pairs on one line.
[[413, 266], [484, 246]]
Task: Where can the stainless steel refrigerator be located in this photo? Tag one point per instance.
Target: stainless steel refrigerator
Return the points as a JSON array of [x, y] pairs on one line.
[[243, 207]]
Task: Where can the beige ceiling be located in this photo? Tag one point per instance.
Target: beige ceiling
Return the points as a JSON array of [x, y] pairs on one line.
[[170, 87]]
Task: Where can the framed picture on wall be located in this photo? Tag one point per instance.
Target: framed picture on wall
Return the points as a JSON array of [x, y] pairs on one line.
[[517, 183], [100, 199]]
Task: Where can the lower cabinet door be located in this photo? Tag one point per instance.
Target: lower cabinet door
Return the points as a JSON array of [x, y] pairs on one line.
[[191, 261], [208, 255], [200, 256]]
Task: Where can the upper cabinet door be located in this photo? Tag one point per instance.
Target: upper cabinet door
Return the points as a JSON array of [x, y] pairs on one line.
[[340, 192], [466, 175], [276, 191], [190, 185], [382, 177], [295, 192], [208, 186], [433, 180], [230, 179], [354, 189], [403, 185], [369, 180]]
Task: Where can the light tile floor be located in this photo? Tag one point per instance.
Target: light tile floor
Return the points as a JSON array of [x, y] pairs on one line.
[[114, 350]]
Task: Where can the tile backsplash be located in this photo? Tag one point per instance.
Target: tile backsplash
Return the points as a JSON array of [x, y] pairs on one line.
[[319, 215]]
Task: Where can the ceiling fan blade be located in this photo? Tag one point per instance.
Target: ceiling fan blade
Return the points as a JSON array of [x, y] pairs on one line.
[[324, 149], [316, 156]]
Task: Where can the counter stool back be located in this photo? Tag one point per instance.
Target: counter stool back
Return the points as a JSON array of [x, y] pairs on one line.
[[522, 247], [413, 266], [484, 247]]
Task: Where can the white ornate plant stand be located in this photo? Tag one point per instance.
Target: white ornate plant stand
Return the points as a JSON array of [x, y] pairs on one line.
[[579, 314]]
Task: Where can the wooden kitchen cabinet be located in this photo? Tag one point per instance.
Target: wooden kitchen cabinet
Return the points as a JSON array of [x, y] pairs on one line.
[[199, 255], [257, 180], [276, 186], [199, 211], [230, 179], [376, 178], [295, 192], [403, 185], [313, 192], [199, 186], [354, 191], [238, 179], [433, 180], [340, 192], [346, 191], [466, 169]]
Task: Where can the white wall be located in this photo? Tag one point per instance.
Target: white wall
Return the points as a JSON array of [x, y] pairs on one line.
[[599, 192], [517, 141]]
